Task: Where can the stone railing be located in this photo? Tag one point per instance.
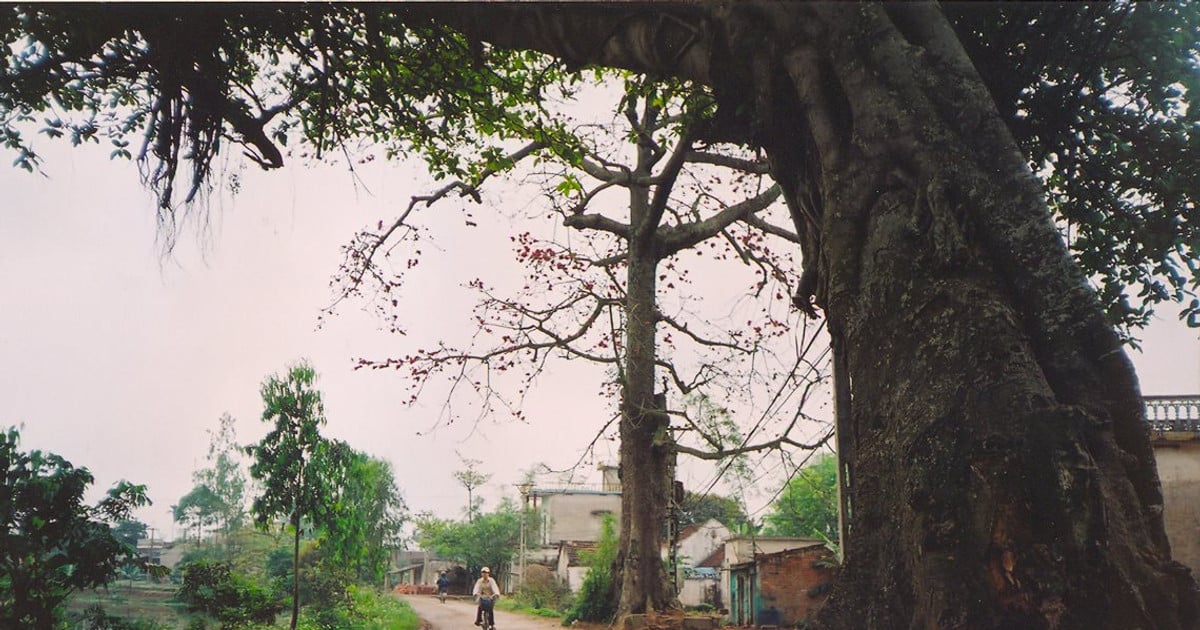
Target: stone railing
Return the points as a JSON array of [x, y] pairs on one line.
[[1175, 415]]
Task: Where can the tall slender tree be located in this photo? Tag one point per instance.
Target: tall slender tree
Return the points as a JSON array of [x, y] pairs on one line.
[[638, 195], [470, 478], [297, 466]]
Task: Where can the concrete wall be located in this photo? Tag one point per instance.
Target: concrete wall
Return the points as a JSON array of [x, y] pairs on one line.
[[1179, 471], [575, 515], [570, 574]]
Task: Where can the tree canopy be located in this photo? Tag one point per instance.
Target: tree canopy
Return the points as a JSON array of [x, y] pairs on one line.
[[52, 542], [1095, 94], [364, 524], [807, 504], [489, 539]]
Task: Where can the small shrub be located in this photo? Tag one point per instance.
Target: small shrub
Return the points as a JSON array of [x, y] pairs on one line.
[[595, 601], [541, 589], [214, 589]]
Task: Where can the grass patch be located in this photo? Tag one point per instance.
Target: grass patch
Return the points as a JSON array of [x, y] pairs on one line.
[[369, 610], [513, 605], [154, 607]]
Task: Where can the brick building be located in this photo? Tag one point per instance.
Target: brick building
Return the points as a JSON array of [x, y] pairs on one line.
[[781, 588]]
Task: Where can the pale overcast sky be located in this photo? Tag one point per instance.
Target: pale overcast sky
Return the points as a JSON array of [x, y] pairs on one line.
[[120, 360]]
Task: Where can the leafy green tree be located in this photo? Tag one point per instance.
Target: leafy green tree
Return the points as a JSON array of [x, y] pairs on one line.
[[807, 504], [216, 502], [957, 176], [200, 509], [224, 475], [51, 542], [491, 540], [364, 525], [130, 532], [297, 467], [698, 508]]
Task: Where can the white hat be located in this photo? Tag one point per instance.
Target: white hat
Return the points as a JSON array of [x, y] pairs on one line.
[[485, 570]]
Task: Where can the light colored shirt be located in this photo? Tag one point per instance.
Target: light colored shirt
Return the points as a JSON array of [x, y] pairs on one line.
[[485, 587]]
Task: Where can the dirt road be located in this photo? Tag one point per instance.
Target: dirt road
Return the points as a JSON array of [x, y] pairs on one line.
[[460, 615]]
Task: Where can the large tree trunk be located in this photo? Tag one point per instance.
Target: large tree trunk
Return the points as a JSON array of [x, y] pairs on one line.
[[1001, 475], [646, 445]]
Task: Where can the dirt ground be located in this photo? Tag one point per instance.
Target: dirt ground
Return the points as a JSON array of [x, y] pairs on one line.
[[460, 615]]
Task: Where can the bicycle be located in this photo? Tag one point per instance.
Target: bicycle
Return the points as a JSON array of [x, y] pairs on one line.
[[487, 612]]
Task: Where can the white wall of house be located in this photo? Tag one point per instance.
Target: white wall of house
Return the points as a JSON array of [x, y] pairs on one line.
[[694, 590], [575, 577], [574, 514], [701, 543], [571, 574]]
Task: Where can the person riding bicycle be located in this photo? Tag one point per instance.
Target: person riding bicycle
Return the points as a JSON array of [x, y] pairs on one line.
[[486, 592], [443, 585]]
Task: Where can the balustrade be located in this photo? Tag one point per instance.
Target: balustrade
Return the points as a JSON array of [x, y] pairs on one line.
[[1172, 415]]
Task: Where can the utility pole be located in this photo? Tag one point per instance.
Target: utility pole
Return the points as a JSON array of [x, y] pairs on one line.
[[524, 488]]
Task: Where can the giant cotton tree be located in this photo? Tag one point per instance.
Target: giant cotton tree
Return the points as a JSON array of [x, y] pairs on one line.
[[999, 473]]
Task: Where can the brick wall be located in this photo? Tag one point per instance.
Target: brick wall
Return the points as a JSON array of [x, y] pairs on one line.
[[785, 580]]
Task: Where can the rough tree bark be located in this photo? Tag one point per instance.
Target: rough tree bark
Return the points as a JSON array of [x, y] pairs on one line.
[[1002, 475], [646, 444]]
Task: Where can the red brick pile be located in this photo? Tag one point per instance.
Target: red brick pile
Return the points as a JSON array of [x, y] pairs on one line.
[[415, 589]]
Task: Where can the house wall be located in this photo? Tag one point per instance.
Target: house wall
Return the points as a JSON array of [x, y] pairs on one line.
[[702, 543], [743, 549], [575, 577], [1179, 472], [575, 515], [784, 582]]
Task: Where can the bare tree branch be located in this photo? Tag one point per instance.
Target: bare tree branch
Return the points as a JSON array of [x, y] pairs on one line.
[[597, 222], [777, 443], [756, 167], [676, 238]]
